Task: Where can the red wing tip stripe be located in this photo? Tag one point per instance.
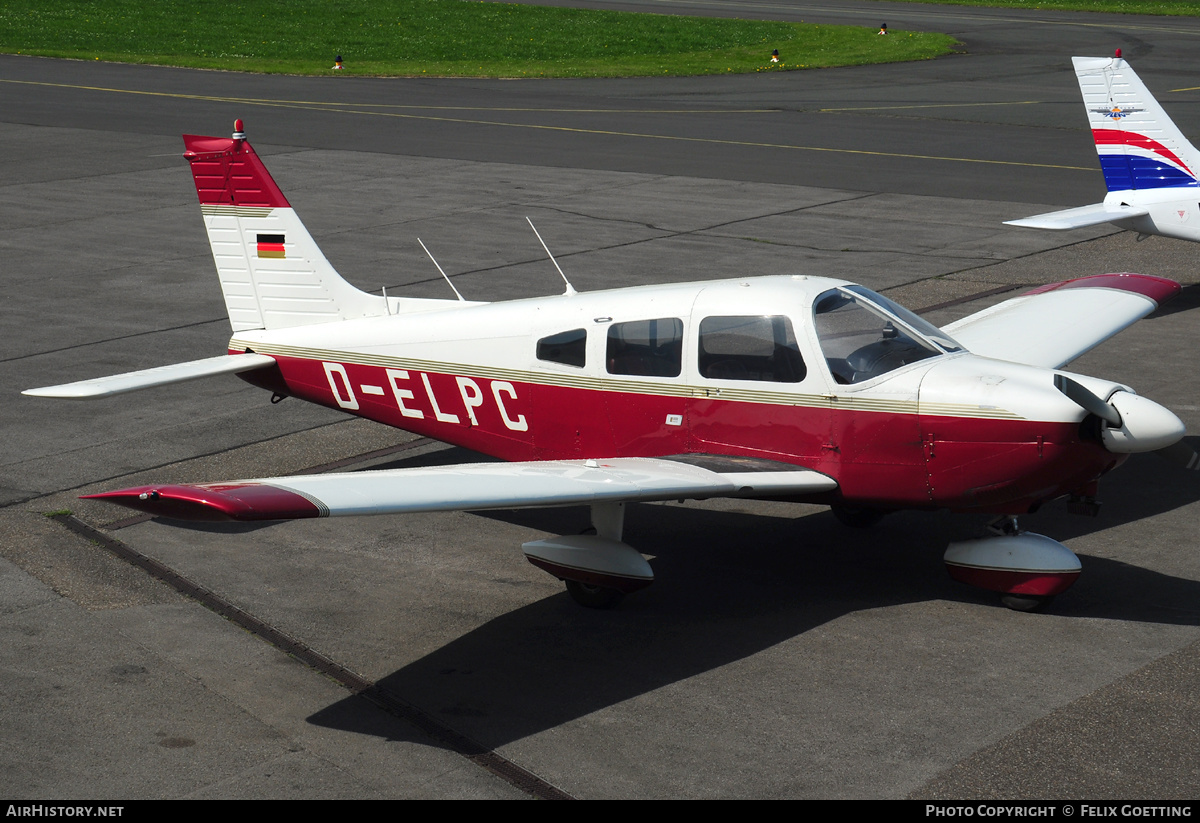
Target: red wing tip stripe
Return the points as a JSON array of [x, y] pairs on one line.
[[1158, 289], [217, 502], [315, 502]]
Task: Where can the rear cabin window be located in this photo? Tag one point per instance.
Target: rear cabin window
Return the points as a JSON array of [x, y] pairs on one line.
[[651, 348], [568, 348], [750, 348]]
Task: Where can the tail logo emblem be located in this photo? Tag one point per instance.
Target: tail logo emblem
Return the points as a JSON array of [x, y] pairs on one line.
[[1116, 112]]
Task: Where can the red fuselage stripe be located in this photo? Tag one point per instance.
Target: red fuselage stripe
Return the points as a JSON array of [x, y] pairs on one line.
[[887, 459]]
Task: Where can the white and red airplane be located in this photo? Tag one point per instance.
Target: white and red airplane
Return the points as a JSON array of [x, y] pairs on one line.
[[1149, 167], [790, 387]]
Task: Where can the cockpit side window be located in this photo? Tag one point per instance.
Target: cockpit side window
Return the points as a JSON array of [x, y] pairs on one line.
[[652, 348], [860, 342], [750, 348], [568, 348]]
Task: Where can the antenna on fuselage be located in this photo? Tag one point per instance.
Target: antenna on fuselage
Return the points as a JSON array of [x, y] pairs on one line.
[[570, 289], [439, 268]]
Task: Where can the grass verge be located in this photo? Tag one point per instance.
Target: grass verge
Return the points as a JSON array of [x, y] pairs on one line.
[[436, 37]]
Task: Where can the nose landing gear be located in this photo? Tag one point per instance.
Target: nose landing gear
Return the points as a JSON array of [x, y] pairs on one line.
[[1027, 569]]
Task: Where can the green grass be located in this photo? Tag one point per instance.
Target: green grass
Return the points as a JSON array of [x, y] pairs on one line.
[[435, 37], [1178, 8]]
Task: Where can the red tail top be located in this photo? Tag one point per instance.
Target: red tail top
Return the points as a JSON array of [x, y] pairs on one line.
[[228, 173]]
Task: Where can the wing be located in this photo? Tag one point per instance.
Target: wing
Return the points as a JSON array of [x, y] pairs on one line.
[[464, 487], [1078, 218], [1052, 325], [160, 376]]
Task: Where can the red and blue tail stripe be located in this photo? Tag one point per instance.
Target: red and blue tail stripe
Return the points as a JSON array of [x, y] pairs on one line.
[[1134, 161]]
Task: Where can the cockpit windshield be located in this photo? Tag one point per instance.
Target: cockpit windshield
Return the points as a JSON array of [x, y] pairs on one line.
[[914, 321], [864, 335]]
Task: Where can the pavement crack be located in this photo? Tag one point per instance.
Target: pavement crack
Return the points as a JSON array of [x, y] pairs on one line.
[[131, 336]]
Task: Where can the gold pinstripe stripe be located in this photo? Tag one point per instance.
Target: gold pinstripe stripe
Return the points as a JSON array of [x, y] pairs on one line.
[[235, 211], [849, 402]]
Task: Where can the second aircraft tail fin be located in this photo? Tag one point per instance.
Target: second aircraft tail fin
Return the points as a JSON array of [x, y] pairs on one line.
[[1149, 166], [1139, 145]]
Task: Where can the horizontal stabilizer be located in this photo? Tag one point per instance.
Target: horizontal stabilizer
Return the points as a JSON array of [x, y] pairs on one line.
[[461, 488], [1079, 218], [149, 378], [1052, 325]]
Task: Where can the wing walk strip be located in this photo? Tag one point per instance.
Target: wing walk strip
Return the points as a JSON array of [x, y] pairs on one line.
[[848, 402], [381, 697]]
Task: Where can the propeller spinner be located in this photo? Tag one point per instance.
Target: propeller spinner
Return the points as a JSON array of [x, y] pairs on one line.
[[1133, 423]]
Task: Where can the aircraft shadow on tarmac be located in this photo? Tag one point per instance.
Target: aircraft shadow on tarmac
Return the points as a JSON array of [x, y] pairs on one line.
[[1144, 487], [733, 583], [1187, 300]]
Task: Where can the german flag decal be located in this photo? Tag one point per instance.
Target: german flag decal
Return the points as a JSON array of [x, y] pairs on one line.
[[270, 245]]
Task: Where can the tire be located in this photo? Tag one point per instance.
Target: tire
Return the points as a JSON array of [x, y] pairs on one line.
[[857, 517], [593, 597], [1027, 602]]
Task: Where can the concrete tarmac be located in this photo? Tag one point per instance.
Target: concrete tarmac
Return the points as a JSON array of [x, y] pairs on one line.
[[779, 654]]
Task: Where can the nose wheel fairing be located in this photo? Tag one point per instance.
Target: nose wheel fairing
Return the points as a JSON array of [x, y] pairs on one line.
[[1025, 564]]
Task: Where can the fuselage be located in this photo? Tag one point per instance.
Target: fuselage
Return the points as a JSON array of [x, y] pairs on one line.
[[1173, 212], [796, 370]]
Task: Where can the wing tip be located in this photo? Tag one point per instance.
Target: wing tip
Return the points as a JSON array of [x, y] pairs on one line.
[[216, 502], [1152, 287]]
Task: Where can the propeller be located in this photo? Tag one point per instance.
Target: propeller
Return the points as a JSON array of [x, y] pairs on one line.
[[1134, 423], [1087, 400]]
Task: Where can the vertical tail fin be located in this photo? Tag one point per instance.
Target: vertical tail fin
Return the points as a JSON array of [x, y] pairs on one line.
[[1139, 146], [272, 273]]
